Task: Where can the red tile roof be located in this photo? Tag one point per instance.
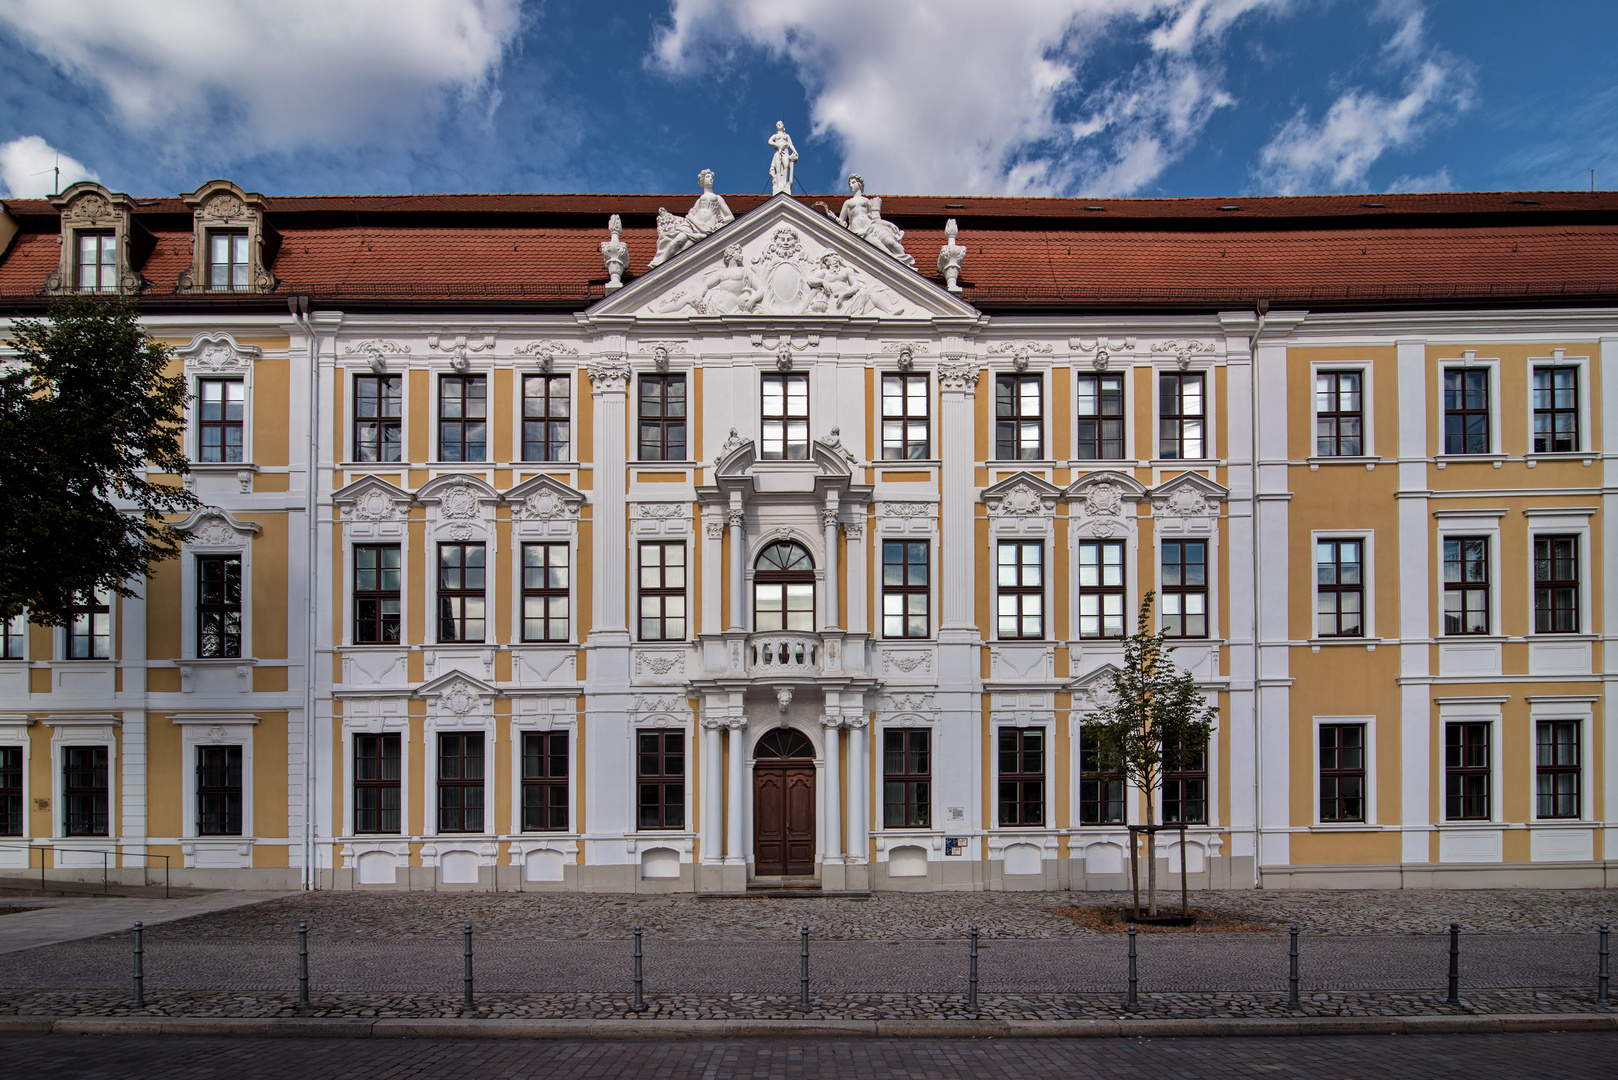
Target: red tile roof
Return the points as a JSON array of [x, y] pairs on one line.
[[1313, 251]]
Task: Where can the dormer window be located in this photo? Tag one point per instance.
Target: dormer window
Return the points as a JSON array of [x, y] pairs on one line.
[[97, 262], [227, 260]]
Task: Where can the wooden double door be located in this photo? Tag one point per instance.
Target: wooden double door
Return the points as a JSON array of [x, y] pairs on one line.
[[783, 806]]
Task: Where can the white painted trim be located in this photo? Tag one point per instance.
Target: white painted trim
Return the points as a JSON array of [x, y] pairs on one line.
[[1470, 361], [1460, 710], [1586, 434], [214, 729], [1367, 372], [1368, 722], [1367, 538], [1581, 712]]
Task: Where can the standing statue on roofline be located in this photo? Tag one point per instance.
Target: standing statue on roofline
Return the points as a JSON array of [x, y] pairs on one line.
[[707, 215], [786, 155]]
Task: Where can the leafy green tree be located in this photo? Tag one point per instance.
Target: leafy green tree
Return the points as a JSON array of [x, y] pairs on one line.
[[86, 409], [1156, 721]]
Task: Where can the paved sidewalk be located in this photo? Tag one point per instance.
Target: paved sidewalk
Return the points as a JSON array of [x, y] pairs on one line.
[[53, 919]]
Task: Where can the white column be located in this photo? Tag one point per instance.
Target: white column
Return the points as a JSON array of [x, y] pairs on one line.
[[828, 519], [957, 385], [609, 385], [834, 793], [858, 774], [859, 599], [738, 576], [713, 786], [1415, 600], [733, 797]]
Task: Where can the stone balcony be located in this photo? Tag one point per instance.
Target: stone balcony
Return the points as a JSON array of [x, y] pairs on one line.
[[784, 653]]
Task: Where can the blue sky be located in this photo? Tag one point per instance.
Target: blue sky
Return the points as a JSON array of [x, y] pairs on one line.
[[1063, 97]]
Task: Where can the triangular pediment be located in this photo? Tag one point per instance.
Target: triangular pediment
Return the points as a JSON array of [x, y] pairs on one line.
[[544, 498], [1022, 495], [371, 498], [783, 259]]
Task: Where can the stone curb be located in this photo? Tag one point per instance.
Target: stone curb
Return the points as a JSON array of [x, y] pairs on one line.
[[473, 1028]]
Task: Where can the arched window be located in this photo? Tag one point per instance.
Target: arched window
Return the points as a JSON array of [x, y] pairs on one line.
[[784, 743], [784, 588]]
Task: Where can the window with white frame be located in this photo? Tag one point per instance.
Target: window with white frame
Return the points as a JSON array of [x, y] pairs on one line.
[[460, 782], [545, 592], [461, 597], [227, 260], [906, 586], [221, 419], [905, 423], [219, 606], [544, 781], [1339, 587], [1467, 770], [1342, 773], [219, 790], [377, 788], [1556, 408], [378, 417], [1182, 410], [546, 417], [662, 591], [1467, 412], [376, 594], [11, 804], [86, 791], [1556, 584], [1339, 414], [1019, 418], [1099, 421], [1185, 588], [1022, 776]]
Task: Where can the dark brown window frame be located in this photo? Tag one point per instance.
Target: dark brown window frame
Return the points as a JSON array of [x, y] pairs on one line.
[[1337, 589], [11, 783], [1463, 416], [94, 612], [662, 592], [1185, 769], [372, 417], [783, 435], [554, 428], [1462, 798], [907, 592], [660, 432], [547, 592], [219, 791], [1336, 443], [221, 426], [544, 790], [1334, 774], [1171, 416], [1091, 428], [911, 781], [245, 263], [902, 447], [772, 578], [660, 790], [379, 597], [14, 638], [374, 747], [1552, 412], [466, 419], [462, 769], [1556, 583], [1012, 424], [1467, 590], [1021, 802], [1560, 802], [1101, 591], [1020, 591], [455, 602], [105, 268], [1181, 589], [1101, 795], [217, 602], [86, 807]]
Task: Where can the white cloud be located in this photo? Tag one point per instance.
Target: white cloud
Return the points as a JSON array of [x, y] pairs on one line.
[[28, 168], [961, 96], [1434, 181], [273, 73], [1337, 152]]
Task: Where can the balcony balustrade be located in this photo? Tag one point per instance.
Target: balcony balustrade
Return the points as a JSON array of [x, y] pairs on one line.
[[784, 652]]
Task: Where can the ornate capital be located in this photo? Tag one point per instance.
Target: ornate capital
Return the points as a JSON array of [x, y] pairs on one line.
[[855, 721], [734, 519], [958, 374], [830, 720], [828, 518], [609, 375], [854, 528], [714, 528]]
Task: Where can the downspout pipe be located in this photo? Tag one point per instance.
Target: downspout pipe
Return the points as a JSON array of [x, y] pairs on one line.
[[299, 307], [1262, 310]]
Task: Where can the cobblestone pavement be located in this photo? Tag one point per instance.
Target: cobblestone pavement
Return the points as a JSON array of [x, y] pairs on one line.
[[889, 916], [1409, 1057]]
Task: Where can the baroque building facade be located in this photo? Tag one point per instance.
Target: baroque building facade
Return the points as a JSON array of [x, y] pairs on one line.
[[784, 560]]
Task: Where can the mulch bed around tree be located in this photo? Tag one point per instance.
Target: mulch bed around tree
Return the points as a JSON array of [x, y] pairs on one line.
[[1116, 920]]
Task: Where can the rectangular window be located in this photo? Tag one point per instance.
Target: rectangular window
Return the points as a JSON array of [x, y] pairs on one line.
[[89, 631], [84, 791], [1556, 584], [13, 637], [785, 414], [97, 262], [904, 418], [1339, 588], [1466, 772], [460, 783], [219, 791], [219, 605], [227, 260], [1339, 423], [1182, 415], [544, 781], [376, 784], [1101, 588], [662, 592], [660, 779], [1466, 410], [1342, 772], [1556, 410], [1101, 795], [376, 594], [460, 592], [10, 791], [1020, 582], [219, 419], [1466, 585], [1022, 776], [1185, 588], [546, 417], [1185, 786], [907, 774], [1556, 769], [377, 408], [463, 418], [1019, 418], [1101, 416], [662, 418], [544, 592], [905, 584]]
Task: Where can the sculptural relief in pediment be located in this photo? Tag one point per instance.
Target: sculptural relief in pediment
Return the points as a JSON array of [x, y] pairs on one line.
[[783, 273]]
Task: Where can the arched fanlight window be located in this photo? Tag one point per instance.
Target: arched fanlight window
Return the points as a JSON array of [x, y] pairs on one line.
[[784, 588], [784, 743]]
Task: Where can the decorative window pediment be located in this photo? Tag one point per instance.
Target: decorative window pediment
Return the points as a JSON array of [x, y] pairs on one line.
[[458, 507], [89, 209], [1023, 504], [213, 527], [372, 507], [544, 506], [213, 353], [457, 695], [220, 209], [1102, 504], [1189, 503]]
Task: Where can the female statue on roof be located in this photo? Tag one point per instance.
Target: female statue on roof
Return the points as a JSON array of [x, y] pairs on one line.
[[781, 164], [707, 215], [862, 216]]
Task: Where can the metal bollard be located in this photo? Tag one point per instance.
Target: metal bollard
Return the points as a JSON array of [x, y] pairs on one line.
[[303, 965], [468, 1005], [1454, 964], [803, 980], [972, 976], [1603, 977], [1292, 978], [1134, 980], [140, 970], [640, 1001]]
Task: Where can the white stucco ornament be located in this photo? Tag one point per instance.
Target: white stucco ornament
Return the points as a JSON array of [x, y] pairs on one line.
[[862, 216], [615, 253], [707, 215], [460, 698], [950, 256], [1103, 498], [784, 158]]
